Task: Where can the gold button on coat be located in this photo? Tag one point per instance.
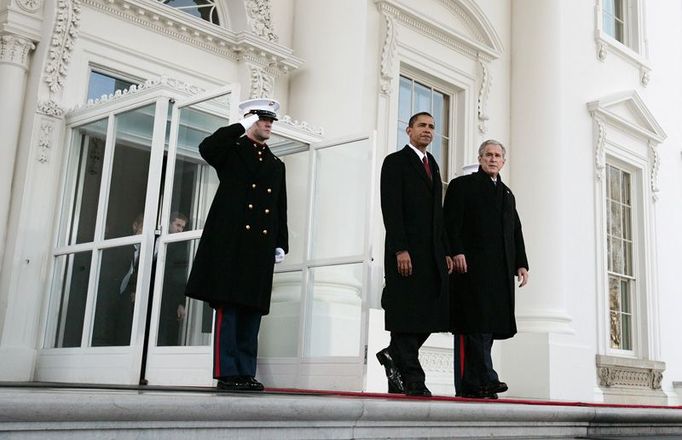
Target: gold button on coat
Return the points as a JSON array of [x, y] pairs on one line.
[[250, 206], [253, 185], [248, 227], [267, 211], [269, 190], [265, 231]]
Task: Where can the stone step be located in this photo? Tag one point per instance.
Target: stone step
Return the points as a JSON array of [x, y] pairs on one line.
[[107, 413]]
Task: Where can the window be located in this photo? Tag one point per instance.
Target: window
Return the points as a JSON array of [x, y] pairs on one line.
[[204, 9], [620, 257], [417, 97], [104, 84], [613, 19]]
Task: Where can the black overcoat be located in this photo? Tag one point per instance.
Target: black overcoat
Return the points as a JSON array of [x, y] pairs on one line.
[[413, 217], [248, 219], [482, 223]]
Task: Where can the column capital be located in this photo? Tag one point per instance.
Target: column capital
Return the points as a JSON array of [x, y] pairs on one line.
[[14, 49]]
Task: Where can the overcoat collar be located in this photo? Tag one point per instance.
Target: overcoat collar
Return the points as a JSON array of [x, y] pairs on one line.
[[246, 154], [413, 159]]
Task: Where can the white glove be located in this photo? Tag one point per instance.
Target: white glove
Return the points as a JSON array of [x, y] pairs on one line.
[[248, 121], [279, 255]]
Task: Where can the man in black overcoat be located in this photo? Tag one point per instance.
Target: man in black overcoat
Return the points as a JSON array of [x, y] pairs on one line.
[[244, 235], [486, 242], [416, 262]]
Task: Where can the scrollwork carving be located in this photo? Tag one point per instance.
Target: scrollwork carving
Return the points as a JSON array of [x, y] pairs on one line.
[[44, 141], [482, 102], [61, 45], [387, 55], [655, 165], [30, 5], [599, 154], [262, 83], [602, 51], [260, 19], [50, 108]]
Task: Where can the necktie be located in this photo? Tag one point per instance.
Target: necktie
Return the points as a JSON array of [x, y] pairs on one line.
[[427, 167]]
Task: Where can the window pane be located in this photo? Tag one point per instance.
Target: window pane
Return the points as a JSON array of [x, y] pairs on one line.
[[336, 311], [439, 113], [102, 84], [341, 213], [72, 274], [618, 258], [436, 149], [405, 100], [298, 170], [614, 307], [422, 98], [626, 189], [627, 254], [616, 220], [182, 321], [204, 9], [115, 296], [626, 343], [88, 170], [403, 139], [194, 181], [609, 253], [625, 296], [627, 223], [614, 184], [279, 330], [130, 169]]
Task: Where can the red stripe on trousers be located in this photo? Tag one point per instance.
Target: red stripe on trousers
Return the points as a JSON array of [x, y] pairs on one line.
[[461, 355], [216, 343]]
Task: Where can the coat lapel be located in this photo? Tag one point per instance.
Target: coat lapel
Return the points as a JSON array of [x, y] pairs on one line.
[[418, 166]]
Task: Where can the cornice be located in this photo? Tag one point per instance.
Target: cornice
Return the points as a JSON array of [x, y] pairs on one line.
[[449, 37], [196, 32], [601, 107]]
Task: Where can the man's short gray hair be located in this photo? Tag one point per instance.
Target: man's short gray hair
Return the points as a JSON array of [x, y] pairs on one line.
[[491, 142]]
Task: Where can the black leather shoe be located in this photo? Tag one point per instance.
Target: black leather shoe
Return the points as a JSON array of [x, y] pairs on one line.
[[417, 389], [496, 387], [253, 384], [478, 395], [236, 383], [395, 381]]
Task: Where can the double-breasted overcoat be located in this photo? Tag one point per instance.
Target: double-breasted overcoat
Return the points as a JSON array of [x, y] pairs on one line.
[[482, 223], [247, 220], [413, 218]]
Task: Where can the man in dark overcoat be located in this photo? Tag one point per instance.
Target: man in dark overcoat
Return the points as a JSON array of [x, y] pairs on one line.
[[487, 245], [244, 235], [416, 262]]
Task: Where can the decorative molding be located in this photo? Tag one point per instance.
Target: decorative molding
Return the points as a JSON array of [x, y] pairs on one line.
[[388, 55], [634, 374], [303, 126], [602, 51], [599, 154], [161, 19], [488, 50], [436, 361], [31, 6], [654, 162], [259, 17], [50, 108], [45, 140], [15, 49], [262, 83], [177, 85], [642, 123], [482, 101], [644, 75], [61, 45]]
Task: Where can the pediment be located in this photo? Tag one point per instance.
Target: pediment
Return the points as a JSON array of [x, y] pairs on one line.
[[459, 23], [628, 111]]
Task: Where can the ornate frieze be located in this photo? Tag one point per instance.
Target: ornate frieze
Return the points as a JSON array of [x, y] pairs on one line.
[[31, 6], [15, 49], [388, 55], [636, 374], [302, 125], [50, 108], [436, 361], [599, 154], [262, 83], [482, 102], [259, 16], [655, 165], [62, 43], [45, 140]]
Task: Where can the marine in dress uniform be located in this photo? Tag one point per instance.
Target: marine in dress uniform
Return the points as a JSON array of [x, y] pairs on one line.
[[244, 236], [487, 245]]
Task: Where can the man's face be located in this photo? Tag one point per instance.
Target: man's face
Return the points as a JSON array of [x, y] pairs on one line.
[[421, 132], [492, 160], [261, 130], [177, 225]]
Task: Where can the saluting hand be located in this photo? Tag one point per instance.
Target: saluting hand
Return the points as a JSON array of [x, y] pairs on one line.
[[404, 263], [460, 263]]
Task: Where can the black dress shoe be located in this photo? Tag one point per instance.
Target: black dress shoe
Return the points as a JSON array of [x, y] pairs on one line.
[[236, 383], [395, 381], [482, 394], [417, 389], [253, 384], [496, 387]]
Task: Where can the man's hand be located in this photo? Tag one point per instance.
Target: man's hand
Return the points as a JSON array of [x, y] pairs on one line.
[[181, 312], [450, 263], [248, 121], [460, 263], [522, 275], [404, 263]]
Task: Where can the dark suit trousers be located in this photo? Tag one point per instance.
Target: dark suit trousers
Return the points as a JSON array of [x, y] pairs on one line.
[[404, 348], [235, 342], [473, 362]]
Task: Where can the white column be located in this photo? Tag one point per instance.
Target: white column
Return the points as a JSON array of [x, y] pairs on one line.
[[14, 59]]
